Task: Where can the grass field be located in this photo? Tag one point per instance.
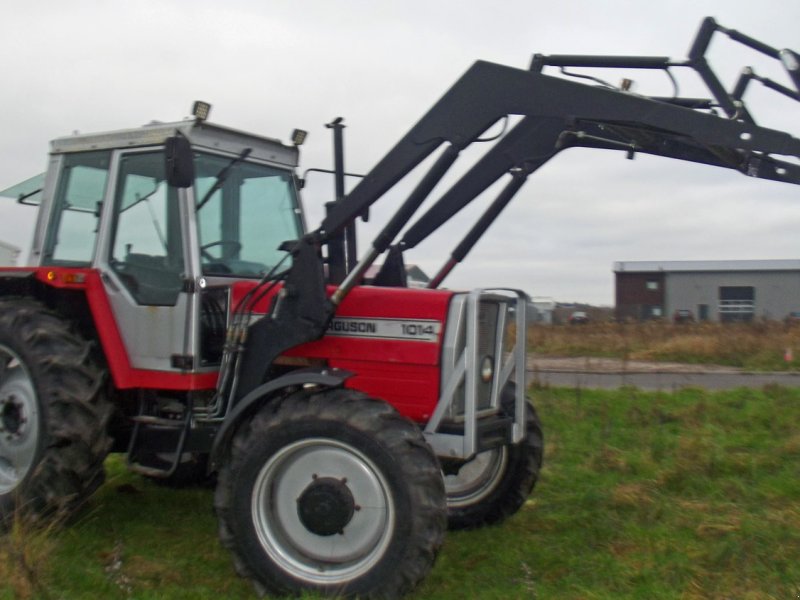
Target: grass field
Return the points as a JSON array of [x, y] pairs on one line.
[[644, 495], [760, 346]]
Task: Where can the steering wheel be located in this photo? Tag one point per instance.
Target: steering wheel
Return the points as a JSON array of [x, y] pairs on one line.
[[205, 253]]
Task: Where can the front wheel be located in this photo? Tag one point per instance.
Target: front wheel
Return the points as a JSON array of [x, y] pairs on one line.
[[333, 492], [495, 484]]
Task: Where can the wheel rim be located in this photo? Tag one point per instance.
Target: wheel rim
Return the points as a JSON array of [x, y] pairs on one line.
[[287, 490], [19, 421], [476, 479]]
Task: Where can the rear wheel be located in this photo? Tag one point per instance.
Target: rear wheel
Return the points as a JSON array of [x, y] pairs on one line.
[[333, 492], [495, 484], [53, 414]]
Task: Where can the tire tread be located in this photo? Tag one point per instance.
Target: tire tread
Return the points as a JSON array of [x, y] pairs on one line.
[[69, 386]]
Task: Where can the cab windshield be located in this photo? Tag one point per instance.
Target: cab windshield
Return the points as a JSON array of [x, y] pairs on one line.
[[242, 223]]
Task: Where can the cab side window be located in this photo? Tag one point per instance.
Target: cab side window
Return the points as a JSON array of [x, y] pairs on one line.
[[72, 236], [147, 247]]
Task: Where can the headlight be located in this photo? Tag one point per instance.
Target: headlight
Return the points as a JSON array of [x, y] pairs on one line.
[[487, 369]]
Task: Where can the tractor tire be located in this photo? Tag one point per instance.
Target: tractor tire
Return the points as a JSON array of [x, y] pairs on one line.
[[331, 492], [495, 484], [53, 415]]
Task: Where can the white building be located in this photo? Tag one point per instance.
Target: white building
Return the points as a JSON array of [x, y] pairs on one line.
[[541, 310]]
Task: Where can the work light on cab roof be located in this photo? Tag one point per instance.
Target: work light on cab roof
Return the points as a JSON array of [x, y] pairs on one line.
[[201, 110]]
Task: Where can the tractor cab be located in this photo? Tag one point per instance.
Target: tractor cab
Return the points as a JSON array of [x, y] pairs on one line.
[[111, 202]]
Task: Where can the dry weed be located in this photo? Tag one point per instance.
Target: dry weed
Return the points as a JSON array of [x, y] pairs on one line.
[[751, 345], [718, 527], [632, 495], [609, 458], [25, 550], [791, 448]]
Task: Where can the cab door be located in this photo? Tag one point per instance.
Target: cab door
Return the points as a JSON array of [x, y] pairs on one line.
[[145, 272]]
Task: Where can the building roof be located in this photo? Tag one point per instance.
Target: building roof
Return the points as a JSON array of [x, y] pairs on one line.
[[676, 266]]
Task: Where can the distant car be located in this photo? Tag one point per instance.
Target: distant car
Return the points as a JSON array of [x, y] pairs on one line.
[[793, 317], [578, 318], [683, 315]]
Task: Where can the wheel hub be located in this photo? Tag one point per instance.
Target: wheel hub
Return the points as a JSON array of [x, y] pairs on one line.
[[326, 506], [327, 528], [12, 416], [19, 421]]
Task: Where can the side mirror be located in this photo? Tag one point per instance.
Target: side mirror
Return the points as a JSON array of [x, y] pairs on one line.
[[179, 162]]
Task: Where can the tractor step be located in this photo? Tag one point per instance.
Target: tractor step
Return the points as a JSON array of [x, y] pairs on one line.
[[154, 472], [154, 437]]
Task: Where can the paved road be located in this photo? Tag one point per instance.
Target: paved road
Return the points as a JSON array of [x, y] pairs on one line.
[[663, 381], [610, 373]]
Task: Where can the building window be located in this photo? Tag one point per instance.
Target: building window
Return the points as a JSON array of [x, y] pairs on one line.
[[652, 285], [736, 303], [656, 312]]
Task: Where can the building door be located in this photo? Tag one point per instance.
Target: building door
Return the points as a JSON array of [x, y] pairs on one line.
[[736, 303], [702, 312]]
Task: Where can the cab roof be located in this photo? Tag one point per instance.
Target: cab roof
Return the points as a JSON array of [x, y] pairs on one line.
[[201, 134]]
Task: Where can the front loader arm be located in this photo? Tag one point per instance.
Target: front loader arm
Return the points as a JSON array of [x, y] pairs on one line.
[[535, 140], [557, 114], [488, 92]]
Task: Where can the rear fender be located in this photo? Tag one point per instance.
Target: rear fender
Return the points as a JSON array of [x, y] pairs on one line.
[[326, 378], [66, 298], [17, 282]]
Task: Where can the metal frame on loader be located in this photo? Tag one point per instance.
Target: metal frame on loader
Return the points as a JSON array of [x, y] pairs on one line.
[[348, 423]]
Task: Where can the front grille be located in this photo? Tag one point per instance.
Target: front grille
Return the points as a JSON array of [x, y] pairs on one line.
[[489, 326], [483, 326]]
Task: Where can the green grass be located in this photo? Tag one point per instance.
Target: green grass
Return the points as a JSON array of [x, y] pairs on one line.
[[690, 494]]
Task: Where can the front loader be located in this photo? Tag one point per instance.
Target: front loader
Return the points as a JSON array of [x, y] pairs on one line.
[[177, 309]]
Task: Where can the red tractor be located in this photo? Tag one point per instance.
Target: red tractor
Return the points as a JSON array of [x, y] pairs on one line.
[[176, 309]]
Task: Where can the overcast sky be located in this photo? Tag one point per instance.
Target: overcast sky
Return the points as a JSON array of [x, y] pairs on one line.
[[271, 66]]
